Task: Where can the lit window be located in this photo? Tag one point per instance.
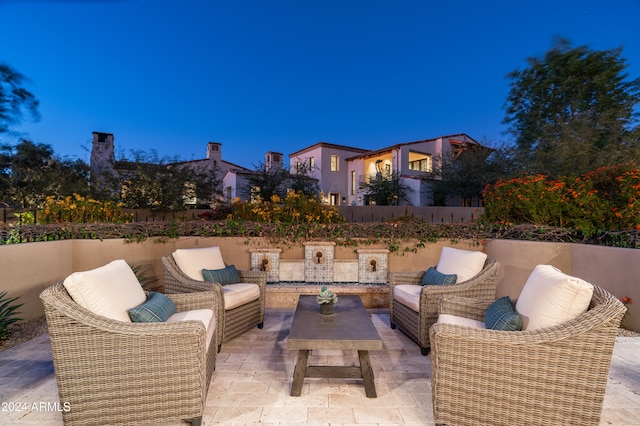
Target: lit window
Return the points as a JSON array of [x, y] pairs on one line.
[[422, 164], [334, 163], [312, 164]]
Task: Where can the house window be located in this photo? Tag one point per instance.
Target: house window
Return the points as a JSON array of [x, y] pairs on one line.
[[353, 182], [298, 167], [422, 164], [312, 164], [335, 160]]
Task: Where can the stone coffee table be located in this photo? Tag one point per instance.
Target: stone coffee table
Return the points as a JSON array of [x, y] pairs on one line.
[[348, 328]]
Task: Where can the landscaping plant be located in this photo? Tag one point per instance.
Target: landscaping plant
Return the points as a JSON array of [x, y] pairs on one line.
[[7, 314], [79, 209], [607, 199]]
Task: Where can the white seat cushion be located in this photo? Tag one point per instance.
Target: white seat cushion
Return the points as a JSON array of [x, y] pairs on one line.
[[110, 290], [206, 316], [408, 295], [456, 320], [238, 294], [464, 263], [192, 261], [551, 297]]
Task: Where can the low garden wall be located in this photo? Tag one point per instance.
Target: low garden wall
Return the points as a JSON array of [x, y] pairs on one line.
[[27, 269]]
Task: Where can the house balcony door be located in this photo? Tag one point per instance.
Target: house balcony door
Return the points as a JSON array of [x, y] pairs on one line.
[[334, 199]]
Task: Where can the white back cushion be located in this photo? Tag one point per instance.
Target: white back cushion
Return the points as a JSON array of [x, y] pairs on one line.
[[110, 290], [551, 297], [464, 263], [193, 261]]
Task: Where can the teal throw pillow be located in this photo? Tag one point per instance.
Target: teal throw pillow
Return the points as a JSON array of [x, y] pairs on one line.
[[157, 308], [433, 277], [228, 275], [502, 315]]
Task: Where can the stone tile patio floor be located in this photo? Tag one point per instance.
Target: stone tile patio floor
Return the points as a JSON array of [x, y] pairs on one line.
[[252, 386]]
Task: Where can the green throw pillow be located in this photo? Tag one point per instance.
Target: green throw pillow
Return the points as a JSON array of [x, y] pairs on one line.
[[502, 315], [157, 308], [228, 275], [433, 277]]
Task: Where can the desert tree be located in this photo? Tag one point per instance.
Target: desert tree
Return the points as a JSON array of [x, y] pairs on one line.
[[16, 102], [573, 110]]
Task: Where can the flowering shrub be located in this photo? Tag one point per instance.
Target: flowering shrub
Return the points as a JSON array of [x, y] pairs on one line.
[[79, 209], [602, 200], [294, 208], [218, 212]]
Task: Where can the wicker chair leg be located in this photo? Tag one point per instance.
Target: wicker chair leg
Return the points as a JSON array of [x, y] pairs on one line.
[[425, 351], [393, 325], [219, 347], [196, 422], [260, 325]]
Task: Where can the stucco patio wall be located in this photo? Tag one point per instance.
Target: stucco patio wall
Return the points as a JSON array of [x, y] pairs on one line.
[[27, 269]]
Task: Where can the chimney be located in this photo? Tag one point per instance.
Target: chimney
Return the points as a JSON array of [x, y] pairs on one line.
[[273, 161]]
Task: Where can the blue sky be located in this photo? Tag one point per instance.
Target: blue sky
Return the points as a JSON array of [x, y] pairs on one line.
[[169, 75]]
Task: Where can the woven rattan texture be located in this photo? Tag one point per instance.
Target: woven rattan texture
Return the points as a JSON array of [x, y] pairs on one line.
[[113, 372], [481, 286], [230, 322], [552, 376]]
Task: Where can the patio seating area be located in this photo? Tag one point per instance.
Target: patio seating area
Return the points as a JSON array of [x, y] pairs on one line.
[[253, 377]]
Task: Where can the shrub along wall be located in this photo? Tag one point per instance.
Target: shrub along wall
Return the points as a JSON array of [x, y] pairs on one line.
[[29, 268]]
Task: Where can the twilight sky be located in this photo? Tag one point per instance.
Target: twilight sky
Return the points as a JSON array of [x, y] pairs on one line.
[[280, 75]]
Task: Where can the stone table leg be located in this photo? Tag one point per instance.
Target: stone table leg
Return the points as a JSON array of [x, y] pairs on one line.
[[299, 372], [367, 374]]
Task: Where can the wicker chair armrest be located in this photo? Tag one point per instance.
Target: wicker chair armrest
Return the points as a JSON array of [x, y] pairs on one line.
[[400, 278], [191, 301], [604, 315], [463, 307], [255, 277], [481, 286], [60, 305]]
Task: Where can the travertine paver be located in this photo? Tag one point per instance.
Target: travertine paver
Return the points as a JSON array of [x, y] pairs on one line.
[[253, 377]]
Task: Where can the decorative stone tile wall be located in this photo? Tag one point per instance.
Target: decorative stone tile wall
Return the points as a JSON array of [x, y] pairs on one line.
[[318, 261], [267, 260], [372, 265]]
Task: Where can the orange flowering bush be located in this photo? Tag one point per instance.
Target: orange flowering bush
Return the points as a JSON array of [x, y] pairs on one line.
[[603, 200], [79, 209], [294, 208]]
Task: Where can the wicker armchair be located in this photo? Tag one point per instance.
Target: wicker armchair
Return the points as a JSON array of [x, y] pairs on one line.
[[416, 324], [549, 376], [114, 372], [231, 322]]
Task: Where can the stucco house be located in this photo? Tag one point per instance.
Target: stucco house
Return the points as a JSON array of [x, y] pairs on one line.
[[103, 162], [340, 169]]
